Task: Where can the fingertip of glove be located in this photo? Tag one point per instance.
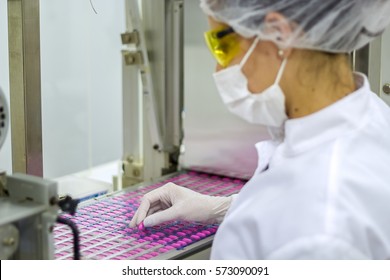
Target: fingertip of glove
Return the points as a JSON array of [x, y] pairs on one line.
[[132, 224], [147, 222]]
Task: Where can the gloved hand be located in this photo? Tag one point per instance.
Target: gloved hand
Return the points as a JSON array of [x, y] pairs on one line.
[[172, 202]]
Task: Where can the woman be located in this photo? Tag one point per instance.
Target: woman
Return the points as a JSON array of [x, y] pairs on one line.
[[322, 188]]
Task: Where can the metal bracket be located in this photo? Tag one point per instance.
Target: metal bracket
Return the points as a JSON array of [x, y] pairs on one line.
[[130, 38], [133, 169], [133, 58]]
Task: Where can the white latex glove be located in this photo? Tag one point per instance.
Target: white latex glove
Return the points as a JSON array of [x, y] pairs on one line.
[[172, 202]]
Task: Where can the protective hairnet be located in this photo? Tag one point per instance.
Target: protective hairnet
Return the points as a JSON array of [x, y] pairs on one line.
[[327, 25]]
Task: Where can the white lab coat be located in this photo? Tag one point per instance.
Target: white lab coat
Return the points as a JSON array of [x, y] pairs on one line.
[[326, 192]]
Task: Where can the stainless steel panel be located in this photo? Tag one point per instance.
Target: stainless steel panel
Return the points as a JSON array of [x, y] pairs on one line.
[[373, 60], [385, 69], [163, 26], [174, 74], [25, 86], [375, 64]]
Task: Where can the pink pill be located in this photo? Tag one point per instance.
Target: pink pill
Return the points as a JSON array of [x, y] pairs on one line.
[[147, 256], [141, 226], [187, 240], [173, 237], [195, 237], [181, 234], [162, 250], [169, 247], [154, 254], [202, 235]]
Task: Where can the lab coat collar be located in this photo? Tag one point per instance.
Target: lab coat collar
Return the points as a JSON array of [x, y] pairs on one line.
[[349, 113]]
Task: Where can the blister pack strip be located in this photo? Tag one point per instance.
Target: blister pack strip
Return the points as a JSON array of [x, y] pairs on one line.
[[104, 230]]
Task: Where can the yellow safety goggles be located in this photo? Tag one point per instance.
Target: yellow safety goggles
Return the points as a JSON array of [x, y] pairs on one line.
[[223, 44]]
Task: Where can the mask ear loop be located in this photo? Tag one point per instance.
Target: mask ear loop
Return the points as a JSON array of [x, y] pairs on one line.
[[280, 72], [249, 52]]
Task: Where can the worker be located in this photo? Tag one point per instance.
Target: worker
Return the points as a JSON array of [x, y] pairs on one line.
[[321, 189]]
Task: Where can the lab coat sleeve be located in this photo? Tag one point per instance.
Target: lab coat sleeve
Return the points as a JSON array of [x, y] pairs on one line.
[[317, 248]]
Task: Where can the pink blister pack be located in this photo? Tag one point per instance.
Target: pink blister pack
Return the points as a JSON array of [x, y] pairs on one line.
[[104, 230]]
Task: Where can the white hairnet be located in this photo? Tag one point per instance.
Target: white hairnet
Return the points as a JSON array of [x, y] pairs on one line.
[[327, 25]]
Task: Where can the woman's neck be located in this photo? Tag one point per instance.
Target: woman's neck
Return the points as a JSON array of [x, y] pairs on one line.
[[316, 80]]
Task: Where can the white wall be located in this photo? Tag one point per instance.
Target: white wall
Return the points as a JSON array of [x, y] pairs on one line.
[[81, 83]]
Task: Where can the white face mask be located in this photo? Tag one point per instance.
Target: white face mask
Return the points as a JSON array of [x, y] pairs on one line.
[[266, 108]]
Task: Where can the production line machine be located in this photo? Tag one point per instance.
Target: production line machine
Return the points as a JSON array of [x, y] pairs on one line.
[[30, 209], [175, 129]]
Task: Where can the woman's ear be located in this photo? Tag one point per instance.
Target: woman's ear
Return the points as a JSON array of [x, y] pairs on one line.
[[276, 23]]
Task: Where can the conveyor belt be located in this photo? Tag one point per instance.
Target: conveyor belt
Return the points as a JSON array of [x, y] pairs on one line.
[[104, 231]]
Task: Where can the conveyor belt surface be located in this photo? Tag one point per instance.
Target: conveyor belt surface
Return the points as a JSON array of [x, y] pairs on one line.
[[104, 231]]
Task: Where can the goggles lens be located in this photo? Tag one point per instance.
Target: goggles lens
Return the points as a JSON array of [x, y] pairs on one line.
[[223, 44]]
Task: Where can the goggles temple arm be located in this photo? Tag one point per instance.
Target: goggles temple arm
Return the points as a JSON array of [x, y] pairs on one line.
[[225, 32]]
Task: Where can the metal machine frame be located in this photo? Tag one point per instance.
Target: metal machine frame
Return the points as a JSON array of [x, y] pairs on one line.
[[152, 89], [25, 86]]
